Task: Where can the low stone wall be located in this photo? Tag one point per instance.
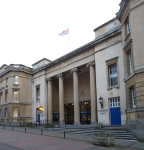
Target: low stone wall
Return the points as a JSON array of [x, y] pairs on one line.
[[103, 139], [136, 128]]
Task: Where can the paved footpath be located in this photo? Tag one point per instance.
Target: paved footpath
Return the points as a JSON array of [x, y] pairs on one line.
[[32, 140]]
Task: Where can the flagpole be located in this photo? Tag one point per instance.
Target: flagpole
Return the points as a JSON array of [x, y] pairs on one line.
[[68, 40]]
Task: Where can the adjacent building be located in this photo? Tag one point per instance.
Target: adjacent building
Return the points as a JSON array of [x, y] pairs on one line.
[[15, 95]]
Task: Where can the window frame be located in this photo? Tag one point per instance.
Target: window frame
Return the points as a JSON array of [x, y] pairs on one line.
[[1, 102], [6, 81], [130, 63], [114, 102], [5, 112], [16, 82], [109, 63], [110, 75], [133, 97], [127, 27], [17, 96], [6, 97], [14, 111]]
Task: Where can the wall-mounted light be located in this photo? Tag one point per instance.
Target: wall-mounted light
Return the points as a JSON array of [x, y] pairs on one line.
[[41, 108], [101, 101]]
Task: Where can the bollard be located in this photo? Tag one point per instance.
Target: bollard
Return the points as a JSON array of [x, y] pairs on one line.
[[25, 128], [64, 133], [4, 126], [53, 127], [41, 130], [13, 128]]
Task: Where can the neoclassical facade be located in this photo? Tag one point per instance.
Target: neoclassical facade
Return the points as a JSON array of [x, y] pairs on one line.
[[100, 83]]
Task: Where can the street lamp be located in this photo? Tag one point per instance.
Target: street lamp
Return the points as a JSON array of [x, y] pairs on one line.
[[101, 101], [41, 108]]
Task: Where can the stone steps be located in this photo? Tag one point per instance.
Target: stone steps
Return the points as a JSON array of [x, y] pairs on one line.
[[119, 134]]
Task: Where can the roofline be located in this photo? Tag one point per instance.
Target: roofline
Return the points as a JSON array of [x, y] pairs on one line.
[[41, 60], [3, 66], [105, 24]]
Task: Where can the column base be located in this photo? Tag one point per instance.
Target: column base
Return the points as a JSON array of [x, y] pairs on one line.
[[77, 123], [61, 122], [94, 123]]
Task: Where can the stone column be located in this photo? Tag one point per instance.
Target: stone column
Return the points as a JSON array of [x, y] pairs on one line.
[[75, 72], [93, 92], [50, 110], [61, 97]]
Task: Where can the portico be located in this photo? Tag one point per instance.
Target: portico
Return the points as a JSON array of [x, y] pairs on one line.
[[74, 87]]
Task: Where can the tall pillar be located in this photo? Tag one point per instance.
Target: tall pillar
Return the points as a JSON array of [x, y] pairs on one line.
[[93, 92], [50, 110], [61, 97], [75, 72]]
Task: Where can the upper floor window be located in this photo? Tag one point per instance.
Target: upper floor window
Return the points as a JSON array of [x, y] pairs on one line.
[[15, 112], [16, 96], [130, 63], [113, 75], [6, 112], [6, 81], [133, 97], [38, 93], [6, 97], [1, 84], [16, 79], [127, 27], [1, 99]]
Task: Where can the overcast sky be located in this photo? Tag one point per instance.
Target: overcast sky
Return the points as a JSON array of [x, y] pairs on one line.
[[29, 28]]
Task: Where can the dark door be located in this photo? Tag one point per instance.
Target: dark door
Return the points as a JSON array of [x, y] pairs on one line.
[[38, 117]]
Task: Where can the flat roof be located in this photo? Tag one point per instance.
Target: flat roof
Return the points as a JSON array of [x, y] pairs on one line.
[[104, 24]]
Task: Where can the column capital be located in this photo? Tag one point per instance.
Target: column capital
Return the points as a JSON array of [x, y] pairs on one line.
[[49, 79], [75, 70], [61, 75], [92, 63]]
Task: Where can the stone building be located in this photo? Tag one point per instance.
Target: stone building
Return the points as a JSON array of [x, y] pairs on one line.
[[100, 83], [15, 95], [131, 16]]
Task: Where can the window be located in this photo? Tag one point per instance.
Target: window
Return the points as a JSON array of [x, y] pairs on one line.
[[16, 79], [38, 94], [6, 97], [114, 102], [6, 81], [133, 97], [0, 113], [113, 75], [15, 112], [6, 112], [1, 84], [128, 27], [130, 63], [16, 96], [1, 99]]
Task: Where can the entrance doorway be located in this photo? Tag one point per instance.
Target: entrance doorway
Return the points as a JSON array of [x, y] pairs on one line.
[[115, 112], [38, 115], [85, 112], [69, 113]]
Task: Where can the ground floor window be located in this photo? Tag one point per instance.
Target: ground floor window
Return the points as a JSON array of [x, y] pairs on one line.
[[85, 112], [15, 112], [6, 112]]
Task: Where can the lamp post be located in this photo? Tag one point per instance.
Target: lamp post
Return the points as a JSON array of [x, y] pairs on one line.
[[101, 101]]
